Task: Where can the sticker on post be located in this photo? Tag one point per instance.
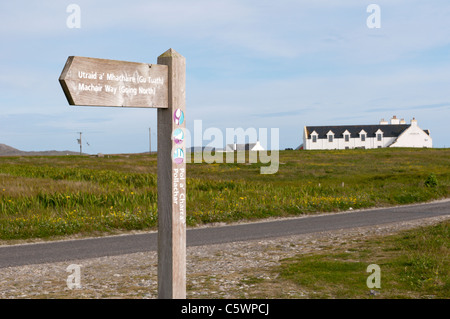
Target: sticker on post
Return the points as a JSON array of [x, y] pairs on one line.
[[178, 117], [178, 156], [178, 136]]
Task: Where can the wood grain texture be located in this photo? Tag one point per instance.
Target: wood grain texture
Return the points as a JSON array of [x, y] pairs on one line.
[[101, 82], [171, 184]]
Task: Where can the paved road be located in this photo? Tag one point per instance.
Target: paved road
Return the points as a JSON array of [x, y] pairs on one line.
[[67, 250]]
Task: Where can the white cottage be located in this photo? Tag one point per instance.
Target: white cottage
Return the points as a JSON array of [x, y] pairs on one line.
[[244, 147], [394, 134]]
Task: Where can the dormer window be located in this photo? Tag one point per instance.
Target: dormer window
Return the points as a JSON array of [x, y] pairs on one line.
[[330, 136], [362, 135], [347, 136], [314, 137], [379, 135]]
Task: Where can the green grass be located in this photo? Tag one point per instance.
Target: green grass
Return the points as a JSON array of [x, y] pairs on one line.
[[41, 197], [413, 264]]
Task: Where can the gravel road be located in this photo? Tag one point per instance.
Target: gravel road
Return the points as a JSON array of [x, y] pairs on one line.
[[213, 271]]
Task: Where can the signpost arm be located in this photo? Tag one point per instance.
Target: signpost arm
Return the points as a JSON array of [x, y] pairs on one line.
[[172, 183]]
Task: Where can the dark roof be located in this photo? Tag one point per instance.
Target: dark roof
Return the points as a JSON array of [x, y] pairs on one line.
[[389, 130]]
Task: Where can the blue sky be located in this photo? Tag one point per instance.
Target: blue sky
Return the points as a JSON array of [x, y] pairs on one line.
[[251, 64]]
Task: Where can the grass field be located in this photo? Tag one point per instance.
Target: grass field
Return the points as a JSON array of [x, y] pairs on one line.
[[413, 264], [42, 197]]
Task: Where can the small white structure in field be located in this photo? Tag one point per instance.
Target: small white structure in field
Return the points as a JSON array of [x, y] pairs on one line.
[[394, 134], [244, 147]]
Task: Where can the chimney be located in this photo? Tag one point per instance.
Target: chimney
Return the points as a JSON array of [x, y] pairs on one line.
[[414, 122], [395, 120], [402, 121], [383, 122]]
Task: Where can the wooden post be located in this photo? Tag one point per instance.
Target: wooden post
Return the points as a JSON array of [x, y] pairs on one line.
[[172, 182]]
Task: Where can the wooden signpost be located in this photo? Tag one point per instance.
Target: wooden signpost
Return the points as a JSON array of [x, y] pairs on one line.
[[100, 82]]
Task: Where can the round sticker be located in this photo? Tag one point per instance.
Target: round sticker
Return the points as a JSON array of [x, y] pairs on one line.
[[178, 136], [178, 156], [178, 116]]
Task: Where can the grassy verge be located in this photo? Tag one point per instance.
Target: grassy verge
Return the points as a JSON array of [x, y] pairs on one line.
[[41, 197], [413, 264]]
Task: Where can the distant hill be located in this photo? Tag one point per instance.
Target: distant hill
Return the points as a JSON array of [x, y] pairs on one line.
[[6, 150]]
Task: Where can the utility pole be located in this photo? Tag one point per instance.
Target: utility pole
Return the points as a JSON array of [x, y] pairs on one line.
[[81, 144]]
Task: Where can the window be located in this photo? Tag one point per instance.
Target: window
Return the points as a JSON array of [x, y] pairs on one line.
[[314, 138], [330, 136], [362, 135], [379, 136], [347, 137]]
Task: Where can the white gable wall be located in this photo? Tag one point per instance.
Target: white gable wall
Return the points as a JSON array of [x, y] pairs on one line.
[[414, 136], [257, 147]]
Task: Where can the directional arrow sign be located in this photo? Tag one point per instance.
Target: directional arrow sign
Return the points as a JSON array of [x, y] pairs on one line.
[[100, 82]]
